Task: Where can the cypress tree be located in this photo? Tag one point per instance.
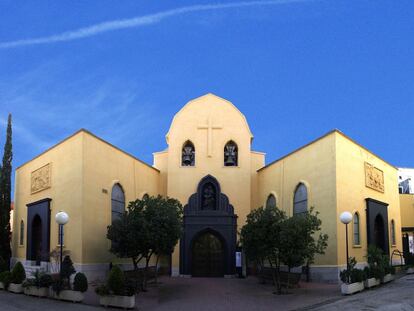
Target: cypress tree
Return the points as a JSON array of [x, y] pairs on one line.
[[5, 195]]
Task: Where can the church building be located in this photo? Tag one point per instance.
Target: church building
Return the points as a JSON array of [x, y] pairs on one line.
[[210, 167]]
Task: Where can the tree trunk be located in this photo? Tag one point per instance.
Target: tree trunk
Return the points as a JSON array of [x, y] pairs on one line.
[[144, 280], [156, 270]]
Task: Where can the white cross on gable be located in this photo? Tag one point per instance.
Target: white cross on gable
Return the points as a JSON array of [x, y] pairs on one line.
[[209, 127]]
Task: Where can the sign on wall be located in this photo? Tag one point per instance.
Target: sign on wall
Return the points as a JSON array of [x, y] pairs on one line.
[[41, 178], [374, 177]]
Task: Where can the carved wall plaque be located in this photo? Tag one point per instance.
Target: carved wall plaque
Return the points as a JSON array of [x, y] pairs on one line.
[[41, 179], [374, 177]]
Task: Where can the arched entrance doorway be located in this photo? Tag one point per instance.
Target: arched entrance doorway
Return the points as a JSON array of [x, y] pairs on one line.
[[207, 256], [36, 251], [379, 233]]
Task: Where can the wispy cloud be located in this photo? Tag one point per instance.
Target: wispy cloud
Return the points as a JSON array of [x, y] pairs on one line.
[[138, 21]]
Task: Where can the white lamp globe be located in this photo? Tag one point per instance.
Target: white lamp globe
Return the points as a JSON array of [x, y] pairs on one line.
[[345, 217], [62, 218]]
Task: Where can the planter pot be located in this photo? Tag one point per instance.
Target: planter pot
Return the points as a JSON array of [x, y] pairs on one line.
[[16, 288], [69, 295], [126, 302], [36, 291], [372, 282], [349, 289], [410, 271], [388, 278], [2, 285]]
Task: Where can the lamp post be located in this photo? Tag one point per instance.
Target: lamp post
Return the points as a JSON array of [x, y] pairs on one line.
[[346, 218], [62, 219]]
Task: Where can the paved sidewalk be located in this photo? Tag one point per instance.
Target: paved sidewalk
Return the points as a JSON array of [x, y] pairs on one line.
[[395, 296], [205, 294]]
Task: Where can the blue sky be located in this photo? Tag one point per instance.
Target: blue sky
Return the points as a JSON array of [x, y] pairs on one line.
[[296, 69]]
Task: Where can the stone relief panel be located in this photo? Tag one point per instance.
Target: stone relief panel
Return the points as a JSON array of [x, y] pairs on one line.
[[41, 178], [374, 178]]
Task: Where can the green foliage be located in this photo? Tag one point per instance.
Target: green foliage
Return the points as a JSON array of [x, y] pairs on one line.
[[116, 281], [67, 268], [298, 243], [3, 265], [5, 196], [18, 275], [150, 226], [378, 262], [5, 278], [40, 279], [269, 236], [80, 283], [353, 275], [116, 284]]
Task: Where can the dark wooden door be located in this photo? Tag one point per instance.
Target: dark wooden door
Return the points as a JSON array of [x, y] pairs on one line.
[[37, 239], [208, 256]]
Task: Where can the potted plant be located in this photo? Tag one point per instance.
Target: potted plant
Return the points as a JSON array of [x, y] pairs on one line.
[[62, 288], [375, 269], [18, 275], [5, 278], [372, 277], [117, 292], [38, 285], [352, 279], [389, 270]]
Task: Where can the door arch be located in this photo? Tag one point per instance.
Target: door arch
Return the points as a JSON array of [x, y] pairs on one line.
[[36, 251], [208, 255], [379, 233]]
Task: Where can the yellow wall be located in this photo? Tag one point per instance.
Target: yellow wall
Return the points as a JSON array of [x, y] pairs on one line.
[[235, 182], [84, 169], [313, 165], [407, 210], [104, 166], [352, 192], [65, 192]]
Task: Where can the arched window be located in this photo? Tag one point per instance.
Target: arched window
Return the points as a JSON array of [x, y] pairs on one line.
[[230, 154], [300, 199], [357, 240], [393, 239], [117, 202], [21, 242], [271, 201], [188, 154]]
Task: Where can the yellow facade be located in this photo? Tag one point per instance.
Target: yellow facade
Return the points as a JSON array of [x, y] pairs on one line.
[[84, 169]]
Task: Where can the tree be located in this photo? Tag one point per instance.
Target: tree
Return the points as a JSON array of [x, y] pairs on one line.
[[164, 217], [261, 239], [5, 195], [269, 237], [298, 242], [149, 226]]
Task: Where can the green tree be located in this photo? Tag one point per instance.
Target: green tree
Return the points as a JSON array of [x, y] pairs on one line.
[[300, 241], [260, 239], [149, 226], [5, 195], [164, 218]]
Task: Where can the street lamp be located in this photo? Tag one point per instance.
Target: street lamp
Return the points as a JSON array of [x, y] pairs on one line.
[[346, 218], [62, 219]]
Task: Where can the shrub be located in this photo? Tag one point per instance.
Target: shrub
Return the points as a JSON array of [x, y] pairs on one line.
[[3, 265], [117, 284], [45, 280], [18, 275], [5, 278], [67, 268], [40, 279], [353, 275], [80, 283], [116, 281]]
